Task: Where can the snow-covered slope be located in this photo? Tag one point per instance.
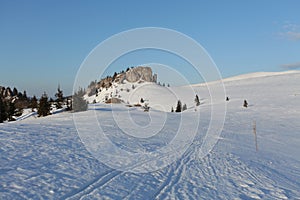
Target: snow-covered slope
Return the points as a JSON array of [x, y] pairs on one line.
[[45, 158]]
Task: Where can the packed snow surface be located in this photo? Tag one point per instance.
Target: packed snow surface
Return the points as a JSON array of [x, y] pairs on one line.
[[45, 158]]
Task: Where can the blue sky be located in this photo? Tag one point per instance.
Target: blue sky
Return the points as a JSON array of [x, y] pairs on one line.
[[43, 43]]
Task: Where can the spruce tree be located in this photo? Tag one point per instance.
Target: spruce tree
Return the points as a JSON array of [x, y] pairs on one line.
[[114, 76], [179, 106], [11, 110], [59, 98], [78, 102], [197, 101], [25, 95], [3, 115], [184, 107], [8, 92], [69, 104], [245, 104], [44, 106], [15, 92], [33, 103]]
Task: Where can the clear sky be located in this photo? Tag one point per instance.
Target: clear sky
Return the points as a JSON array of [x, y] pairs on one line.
[[43, 43]]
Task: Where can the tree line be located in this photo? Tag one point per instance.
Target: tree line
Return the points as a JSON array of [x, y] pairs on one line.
[[12, 103]]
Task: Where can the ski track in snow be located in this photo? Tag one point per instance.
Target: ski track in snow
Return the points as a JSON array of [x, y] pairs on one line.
[[44, 158]]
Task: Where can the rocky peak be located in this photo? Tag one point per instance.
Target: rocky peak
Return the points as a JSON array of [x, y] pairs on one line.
[[132, 75], [140, 73]]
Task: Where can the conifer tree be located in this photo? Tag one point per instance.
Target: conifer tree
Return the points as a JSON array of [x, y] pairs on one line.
[[11, 110], [8, 92], [197, 101], [69, 104], [3, 115], [179, 106], [78, 102], [15, 92], [245, 104], [33, 103], [25, 95], [44, 106], [59, 98], [184, 107], [114, 76]]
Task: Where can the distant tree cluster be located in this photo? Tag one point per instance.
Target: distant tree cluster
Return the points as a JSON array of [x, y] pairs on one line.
[[179, 107], [13, 102], [163, 84]]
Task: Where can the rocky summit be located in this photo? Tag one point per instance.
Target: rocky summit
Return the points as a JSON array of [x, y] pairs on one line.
[[140, 74]]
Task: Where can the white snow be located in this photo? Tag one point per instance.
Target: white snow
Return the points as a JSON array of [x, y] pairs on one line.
[[44, 158]]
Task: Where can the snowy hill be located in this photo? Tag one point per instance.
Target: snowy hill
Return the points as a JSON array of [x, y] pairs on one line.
[[46, 158]]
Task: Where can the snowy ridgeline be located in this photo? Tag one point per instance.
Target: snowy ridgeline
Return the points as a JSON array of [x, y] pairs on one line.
[[45, 158]]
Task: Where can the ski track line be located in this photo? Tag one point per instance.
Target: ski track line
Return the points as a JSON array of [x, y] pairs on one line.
[[98, 182], [90, 186], [173, 176]]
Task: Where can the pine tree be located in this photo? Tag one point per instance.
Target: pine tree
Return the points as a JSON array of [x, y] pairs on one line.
[[20, 95], [44, 106], [245, 103], [78, 102], [33, 103], [11, 110], [25, 95], [114, 76], [197, 101], [59, 98], [184, 107], [179, 106], [8, 92], [3, 115], [69, 104], [15, 92]]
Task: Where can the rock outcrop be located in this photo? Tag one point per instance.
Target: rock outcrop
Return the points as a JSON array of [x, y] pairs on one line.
[[140, 74], [132, 75]]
